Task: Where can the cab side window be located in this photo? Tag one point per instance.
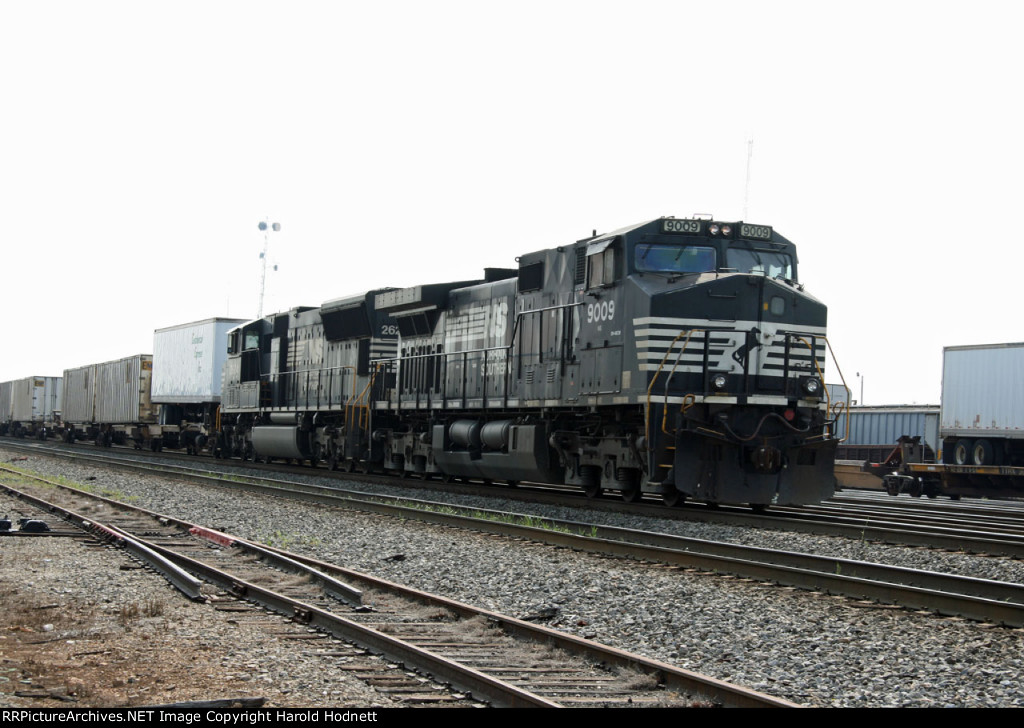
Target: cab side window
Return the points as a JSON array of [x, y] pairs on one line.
[[600, 266]]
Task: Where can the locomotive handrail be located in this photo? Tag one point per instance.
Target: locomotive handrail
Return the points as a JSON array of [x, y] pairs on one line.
[[420, 386], [444, 357], [668, 379], [843, 379], [290, 378], [657, 372], [821, 376]]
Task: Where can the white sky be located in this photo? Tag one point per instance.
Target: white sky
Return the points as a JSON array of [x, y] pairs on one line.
[[401, 143]]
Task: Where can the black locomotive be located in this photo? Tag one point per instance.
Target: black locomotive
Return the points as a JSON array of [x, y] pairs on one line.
[[678, 356]]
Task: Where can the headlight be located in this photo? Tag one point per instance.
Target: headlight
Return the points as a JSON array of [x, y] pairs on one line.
[[812, 387], [718, 382]]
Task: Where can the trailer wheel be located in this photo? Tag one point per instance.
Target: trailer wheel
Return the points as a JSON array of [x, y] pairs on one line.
[[983, 453], [962, 452]]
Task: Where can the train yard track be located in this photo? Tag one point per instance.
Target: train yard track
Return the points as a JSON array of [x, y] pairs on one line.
[[770, 538], [496, 658], [954, 526], [980, 599]]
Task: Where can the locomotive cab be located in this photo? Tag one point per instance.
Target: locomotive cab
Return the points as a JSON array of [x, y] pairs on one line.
[[731, 352]]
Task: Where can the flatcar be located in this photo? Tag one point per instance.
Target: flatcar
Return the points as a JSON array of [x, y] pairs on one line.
[[678, 357]]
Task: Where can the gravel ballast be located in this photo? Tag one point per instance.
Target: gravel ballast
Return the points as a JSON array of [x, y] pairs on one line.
[[809, 648]]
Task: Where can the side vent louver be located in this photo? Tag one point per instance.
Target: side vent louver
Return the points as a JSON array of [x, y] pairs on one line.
[[581, 265]]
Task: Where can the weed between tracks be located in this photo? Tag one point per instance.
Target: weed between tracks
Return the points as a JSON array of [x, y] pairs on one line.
[[285, 541], [51, 482], [132, 612]]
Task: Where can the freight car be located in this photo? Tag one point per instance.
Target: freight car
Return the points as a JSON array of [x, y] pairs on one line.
[[166, 399], [110, 402], [188, 363], [982, 417], [679, 357], [31, 407], [980, 429]]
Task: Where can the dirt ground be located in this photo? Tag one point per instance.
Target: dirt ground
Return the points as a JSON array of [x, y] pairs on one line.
[[84, 626]]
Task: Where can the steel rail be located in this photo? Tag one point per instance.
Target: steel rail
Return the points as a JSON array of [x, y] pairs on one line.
[[977, 599], [181, 579], [480, 684], [884, 530]]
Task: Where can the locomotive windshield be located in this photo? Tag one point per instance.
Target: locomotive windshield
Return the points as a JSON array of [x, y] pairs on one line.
[[674, 258], [760, 262]]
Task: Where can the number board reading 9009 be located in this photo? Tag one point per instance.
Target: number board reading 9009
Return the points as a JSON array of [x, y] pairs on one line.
[[693, 227], [759, 232], [697, 227]]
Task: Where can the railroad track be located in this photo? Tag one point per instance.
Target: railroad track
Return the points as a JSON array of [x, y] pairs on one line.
[[985, 531], [977, 599], [498, 659]]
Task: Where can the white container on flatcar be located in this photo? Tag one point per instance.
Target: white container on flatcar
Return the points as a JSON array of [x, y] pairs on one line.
[[983, 391], [6, 401], [36, 399], [188, 360], [115, 392]]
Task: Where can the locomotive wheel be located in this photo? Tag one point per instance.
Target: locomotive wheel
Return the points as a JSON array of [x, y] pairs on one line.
[[632, 495], [673, 498], [591, 477], [350, 466], [332, 462], [629, 484]]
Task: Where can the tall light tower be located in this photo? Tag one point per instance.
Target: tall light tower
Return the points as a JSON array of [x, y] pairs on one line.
[[266, 228]]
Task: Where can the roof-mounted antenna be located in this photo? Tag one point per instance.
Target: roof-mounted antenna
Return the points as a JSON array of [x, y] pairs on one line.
[[746, 191]]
